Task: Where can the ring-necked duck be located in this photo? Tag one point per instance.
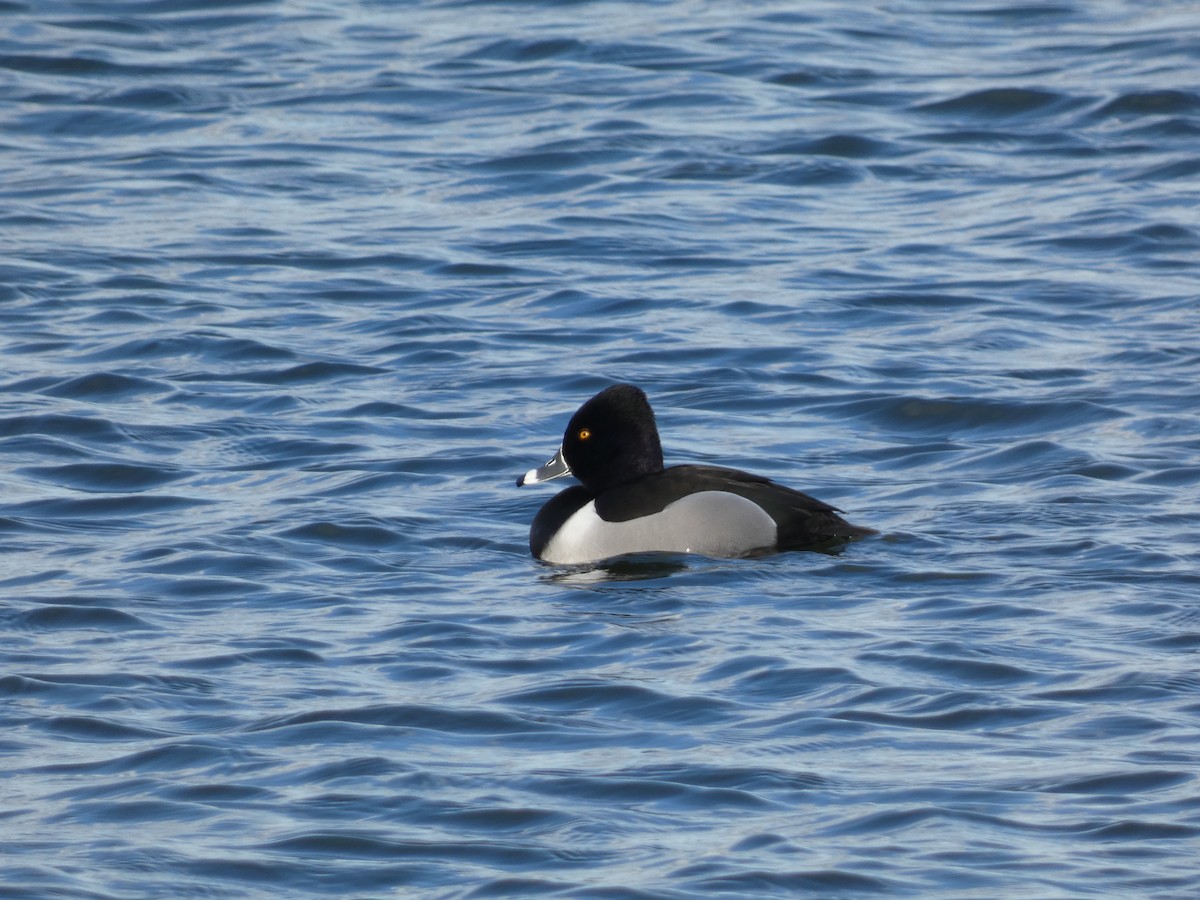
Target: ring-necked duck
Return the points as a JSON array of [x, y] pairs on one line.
[[628, 503]]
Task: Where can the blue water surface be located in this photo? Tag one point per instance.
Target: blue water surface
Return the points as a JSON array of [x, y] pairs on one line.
[[291, 292]]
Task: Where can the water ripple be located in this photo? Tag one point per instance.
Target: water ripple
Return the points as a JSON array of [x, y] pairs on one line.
[[290, 295]]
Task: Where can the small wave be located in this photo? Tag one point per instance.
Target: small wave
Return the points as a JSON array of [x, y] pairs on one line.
[[848, 146], [577, 695], [955, 416], [106, 386], [105, 477], [70, 618], [333, 534], [304, 373], [1003, 103], [1150, 103], [91, 729]]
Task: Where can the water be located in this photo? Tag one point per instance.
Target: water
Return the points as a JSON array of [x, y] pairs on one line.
[[290, 294]]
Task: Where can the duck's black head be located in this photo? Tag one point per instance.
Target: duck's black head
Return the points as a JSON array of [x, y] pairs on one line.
[[612, 439]]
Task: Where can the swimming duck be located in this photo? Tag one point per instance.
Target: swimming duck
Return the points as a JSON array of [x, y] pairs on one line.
[[627, 502]]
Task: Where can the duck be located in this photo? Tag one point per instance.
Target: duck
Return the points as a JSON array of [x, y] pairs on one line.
[[627, 502]]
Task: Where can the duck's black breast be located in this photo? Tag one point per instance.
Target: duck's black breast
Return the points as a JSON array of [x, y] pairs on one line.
[[553, 515], [801, 520]]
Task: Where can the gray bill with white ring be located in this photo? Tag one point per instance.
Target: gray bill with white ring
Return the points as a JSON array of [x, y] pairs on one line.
[[556, 468]]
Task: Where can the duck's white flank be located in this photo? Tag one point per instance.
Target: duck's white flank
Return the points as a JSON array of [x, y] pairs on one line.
[[712, 523]]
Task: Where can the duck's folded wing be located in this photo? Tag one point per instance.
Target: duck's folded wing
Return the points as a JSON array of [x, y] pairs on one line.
[[801, 520]]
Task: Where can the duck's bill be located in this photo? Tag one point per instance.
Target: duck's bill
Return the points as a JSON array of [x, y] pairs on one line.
[[556, 468]]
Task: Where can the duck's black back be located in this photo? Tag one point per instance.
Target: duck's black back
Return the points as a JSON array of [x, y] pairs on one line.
[[802, 521]]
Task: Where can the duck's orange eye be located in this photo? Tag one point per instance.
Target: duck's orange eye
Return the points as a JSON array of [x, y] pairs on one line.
[[584, 434]]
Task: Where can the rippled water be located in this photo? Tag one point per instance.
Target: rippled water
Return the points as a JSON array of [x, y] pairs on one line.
[[292, 291]]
